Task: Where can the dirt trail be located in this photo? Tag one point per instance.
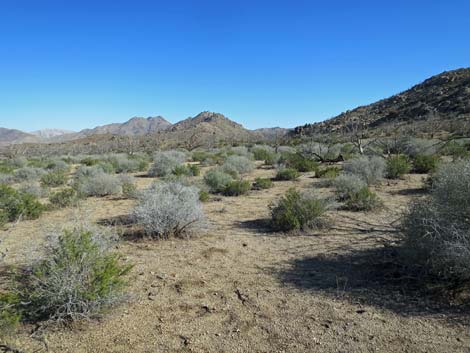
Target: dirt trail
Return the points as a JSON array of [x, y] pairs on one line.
[[239, 288]]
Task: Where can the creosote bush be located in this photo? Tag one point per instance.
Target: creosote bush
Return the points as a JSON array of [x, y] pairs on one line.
[[63, 198], [165, 162], [16, 205], [169, 209], [425, 163], [77, 279], [397, 166], [298, 162], [370, 169], [296, 211], [328, 172], [436, 229], [217, 180], [287, 174], [262, 183], [237, 188], [54, 178], [362, 200], [263, 153]]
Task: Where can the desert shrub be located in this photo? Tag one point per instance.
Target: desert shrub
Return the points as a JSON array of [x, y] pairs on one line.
[[296, 211], [169, 209], [200, 156], [425, 163], [298, 162], [18, 205], [397, 166], [58, 165], [3, 218], [6, 179], [413, 147], [106, 167], [370, 169], [89, 161], [28, 174], [164, 163], [362, 200], [78, 278], [34, 189], [217, 180], [100, 184], [63, 198], [318, 151], [287, 174], [263, 153], [435, 230], [285, 149], [238, 165], [204, 196], [194, 170], [240, 151], [262, 183], [328, 172], [10, 316], [86, 172], [54, 178], [18, 162], [187, 170], [125, 164], [348, 184], [455, 149], [237, 188], [129, 188]]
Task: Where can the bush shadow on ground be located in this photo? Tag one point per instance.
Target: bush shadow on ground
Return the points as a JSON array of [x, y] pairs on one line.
[[372, 277], [125, 226]]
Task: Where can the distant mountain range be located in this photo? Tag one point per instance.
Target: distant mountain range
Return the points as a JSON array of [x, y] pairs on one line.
[[205, 124], [440, 104], [206, 129]]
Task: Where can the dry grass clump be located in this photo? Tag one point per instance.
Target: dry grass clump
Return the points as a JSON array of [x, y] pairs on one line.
[[169, 209]]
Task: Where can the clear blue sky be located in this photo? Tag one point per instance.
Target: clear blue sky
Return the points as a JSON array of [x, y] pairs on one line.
[[78, 64]]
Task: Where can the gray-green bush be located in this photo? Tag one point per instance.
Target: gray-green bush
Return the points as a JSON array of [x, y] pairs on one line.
[[78, 278], [217, 180], [169, 209], [370, 168], [436, 229], [165, 162]]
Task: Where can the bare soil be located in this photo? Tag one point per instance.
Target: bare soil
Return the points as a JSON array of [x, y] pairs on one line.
[[240, 288]]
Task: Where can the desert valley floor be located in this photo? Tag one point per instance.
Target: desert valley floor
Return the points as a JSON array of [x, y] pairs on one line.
[[237, 287]]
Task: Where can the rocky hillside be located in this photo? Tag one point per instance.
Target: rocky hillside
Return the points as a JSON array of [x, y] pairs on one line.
[[441, 103]]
